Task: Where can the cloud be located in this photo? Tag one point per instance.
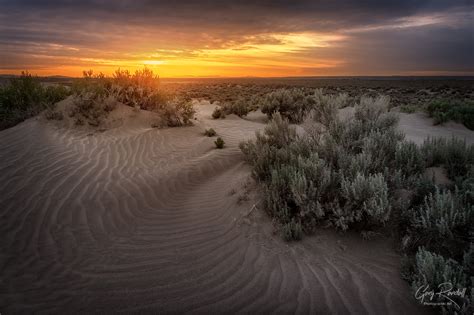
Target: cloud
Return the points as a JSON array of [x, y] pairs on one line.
[[348, 37]]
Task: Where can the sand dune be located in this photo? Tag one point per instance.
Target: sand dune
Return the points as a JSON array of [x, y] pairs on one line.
[[140, 219]]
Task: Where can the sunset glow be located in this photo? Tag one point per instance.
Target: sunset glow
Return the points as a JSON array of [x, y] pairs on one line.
[[188, 40]]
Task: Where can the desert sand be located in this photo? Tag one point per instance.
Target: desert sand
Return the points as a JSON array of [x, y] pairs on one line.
[[140, 219]]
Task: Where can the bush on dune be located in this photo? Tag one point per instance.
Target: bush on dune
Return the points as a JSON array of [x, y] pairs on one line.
[[323, 177], [444, 221], [461, 111], [91, 109], [326, 106], [219, 143], [139, 90], [293, 104], [434, 272], [241, 107], [352, 173], [218, 113], [24, 97], [453, 154], [210, 132]]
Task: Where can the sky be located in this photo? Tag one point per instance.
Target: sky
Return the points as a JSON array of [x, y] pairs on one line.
[[184, 38]]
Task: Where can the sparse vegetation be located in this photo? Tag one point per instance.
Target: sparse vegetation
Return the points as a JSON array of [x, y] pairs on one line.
[[360, 173], [461, 111], [210, 132], [219, 143], [409, 108], [52, 114], [24, 97]]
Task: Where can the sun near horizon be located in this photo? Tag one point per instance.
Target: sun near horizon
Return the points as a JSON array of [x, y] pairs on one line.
[[244, 39]]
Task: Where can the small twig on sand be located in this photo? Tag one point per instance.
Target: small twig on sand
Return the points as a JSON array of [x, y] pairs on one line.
[[251, 209]]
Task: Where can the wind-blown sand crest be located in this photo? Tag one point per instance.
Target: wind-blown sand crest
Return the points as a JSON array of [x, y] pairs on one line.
[[141, 219]]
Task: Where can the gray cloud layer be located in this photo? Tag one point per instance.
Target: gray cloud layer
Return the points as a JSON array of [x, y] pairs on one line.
[[374, 38]]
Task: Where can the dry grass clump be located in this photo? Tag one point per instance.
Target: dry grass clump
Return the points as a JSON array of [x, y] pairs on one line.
[[360, 173]]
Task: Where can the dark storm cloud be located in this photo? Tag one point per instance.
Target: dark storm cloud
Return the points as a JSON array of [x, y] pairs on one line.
[[105, 26]]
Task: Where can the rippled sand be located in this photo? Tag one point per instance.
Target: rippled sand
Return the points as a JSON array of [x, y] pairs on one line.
[[142, 219]]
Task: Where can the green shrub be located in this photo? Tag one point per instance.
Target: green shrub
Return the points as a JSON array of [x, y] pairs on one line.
[[140, 91], [274, 146], [454, 154], [461, 111], [335, 174], [240, 107], [178, 112], [352, 173], [24, 97], [298, 189], [55, 93], [444, 221], [219, 143], [52, 114], [409, 159], [292, 231], [292, 104], [91, 108], [365, 199], [218, 113], [210, 132], [434, 272], [409, 108], [326, 106]]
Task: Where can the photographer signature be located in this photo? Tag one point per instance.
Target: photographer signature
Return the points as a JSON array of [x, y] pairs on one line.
[[445, 291]]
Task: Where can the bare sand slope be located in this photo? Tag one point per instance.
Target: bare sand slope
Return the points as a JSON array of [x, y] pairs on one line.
[[140, 219], [419, 126]]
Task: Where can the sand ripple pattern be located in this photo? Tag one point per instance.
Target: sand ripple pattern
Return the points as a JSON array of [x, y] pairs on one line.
[[142, 220]]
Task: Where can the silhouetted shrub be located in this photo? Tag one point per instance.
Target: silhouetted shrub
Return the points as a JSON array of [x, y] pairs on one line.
[[24, 97], [52, 114], [140, 91], [218, 113], [210, 132], [219, 143]]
